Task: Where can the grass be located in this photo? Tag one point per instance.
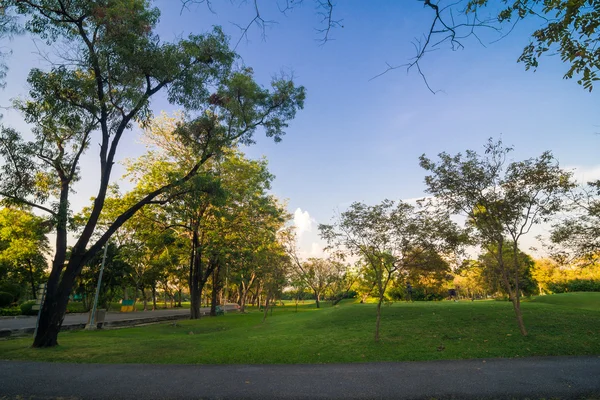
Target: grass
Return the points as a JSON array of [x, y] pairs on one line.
[[344, 333], [586, 301]]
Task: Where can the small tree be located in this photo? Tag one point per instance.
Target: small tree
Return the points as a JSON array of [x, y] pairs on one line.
[[389, 238], [501, 200]]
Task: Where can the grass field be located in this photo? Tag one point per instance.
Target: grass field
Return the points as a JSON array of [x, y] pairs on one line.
[[586, 301], [559, 325]]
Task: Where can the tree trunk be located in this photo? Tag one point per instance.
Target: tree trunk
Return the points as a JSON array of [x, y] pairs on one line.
[[266, 307], [514, 298], [144, 299], [519, 315], [31, 279], [215, 288], [378, 320], [195, 293], [179, 300], [51, 317], [213, 300], [59, 283], [154, 308], [241, 300], [55, 306]]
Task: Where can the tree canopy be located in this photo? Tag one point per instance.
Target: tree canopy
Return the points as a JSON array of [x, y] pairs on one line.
[[501, 201]]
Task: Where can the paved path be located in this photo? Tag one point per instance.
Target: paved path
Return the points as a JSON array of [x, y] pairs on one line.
[[77, 321], [532, 378]]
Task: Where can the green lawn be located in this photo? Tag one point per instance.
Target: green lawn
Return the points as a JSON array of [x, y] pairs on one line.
[[344, 333], [586, 301]]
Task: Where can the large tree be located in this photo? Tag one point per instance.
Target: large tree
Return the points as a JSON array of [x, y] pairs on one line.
[[501, 201], [115, 65]]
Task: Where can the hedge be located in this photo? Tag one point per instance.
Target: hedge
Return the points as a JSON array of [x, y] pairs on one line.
[[575, 285]]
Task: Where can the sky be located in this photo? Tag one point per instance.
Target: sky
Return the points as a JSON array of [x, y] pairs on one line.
[[358, 138]]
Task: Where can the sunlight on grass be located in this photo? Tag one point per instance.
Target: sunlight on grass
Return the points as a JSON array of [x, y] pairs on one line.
[[344, 333]]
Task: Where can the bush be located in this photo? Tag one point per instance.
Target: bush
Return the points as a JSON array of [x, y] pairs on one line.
[[11, 288], [6, 299], [575, 285], [418, 294], [10, 312], [77, 307], [26, 308]]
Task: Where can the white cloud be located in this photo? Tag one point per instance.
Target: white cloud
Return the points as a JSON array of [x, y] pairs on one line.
[[316, 250], [302, 221], [584, 174]]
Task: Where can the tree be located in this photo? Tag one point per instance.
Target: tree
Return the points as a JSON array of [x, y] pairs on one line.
[[501, 201], [470, 281], [9, 26], [117, 274], [493, 275], [342, 278], [546, 271], [23, 248], [316, 273], [389, 238], [568, 28], [428, 274], [118, 64], [577, 236], [275, 275]]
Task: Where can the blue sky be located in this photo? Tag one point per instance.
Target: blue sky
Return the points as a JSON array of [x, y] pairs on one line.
[[359, 139]]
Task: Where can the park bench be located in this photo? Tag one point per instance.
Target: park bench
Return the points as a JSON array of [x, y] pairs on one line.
[[219, 310]]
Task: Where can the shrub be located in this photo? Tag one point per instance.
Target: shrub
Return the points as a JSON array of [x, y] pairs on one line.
[[76, 307], [418, 294], [6, 299], [10, 312], [26, 308], [11, 288], [575, 285]]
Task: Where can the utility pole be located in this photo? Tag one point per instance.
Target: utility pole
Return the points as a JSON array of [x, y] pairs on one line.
[[91, 326]]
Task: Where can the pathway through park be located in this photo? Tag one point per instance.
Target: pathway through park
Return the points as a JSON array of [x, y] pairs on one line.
[[531, 378], [24, 325]]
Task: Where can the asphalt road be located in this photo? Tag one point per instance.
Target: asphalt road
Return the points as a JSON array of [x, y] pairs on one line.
[[532, 378], [76, 319]]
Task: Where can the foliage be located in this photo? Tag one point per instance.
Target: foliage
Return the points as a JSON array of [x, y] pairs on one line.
[[492, 274], [568, 28], [577, 235], [23, 246], [13, 288], [10, 312], [391, 239], [501, 201], [117, 274], [9, 26], [27, 308], [95, 93], [575, 285], [6, 299]]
